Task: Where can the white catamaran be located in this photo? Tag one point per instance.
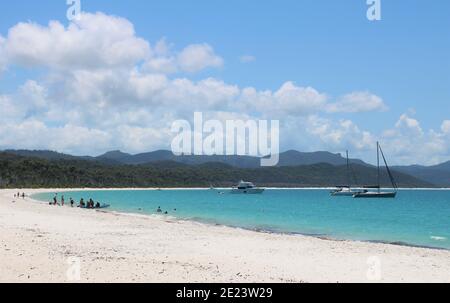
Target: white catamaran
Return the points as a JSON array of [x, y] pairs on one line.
[[345, 190], [378, 193]]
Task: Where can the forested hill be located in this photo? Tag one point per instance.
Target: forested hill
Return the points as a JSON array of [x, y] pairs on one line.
[[30, 172]]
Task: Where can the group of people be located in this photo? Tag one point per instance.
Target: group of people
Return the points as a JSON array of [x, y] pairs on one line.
[[18, 195], [89, 204], [159, 210]]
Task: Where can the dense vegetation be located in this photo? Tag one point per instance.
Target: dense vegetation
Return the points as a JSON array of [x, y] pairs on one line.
[[28, 172]]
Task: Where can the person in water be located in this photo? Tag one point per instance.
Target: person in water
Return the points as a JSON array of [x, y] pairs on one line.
[[62, 200], [55, 201], [72, 203], [159, 209], [97, 205], [82, 204]]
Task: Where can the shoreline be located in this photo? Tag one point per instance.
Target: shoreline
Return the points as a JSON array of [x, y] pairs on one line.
[[204, 188], [128, 248], [325, 237]]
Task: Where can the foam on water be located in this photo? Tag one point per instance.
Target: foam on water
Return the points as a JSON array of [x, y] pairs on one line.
[[438, 238]]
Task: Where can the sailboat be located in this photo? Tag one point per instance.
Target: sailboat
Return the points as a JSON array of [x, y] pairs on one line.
[[379, 193], [345, 190]]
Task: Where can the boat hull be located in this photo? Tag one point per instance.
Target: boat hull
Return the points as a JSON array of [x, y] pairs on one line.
[[248, 191], [101, 207], [346, 192], [372, 195], [343, 194]]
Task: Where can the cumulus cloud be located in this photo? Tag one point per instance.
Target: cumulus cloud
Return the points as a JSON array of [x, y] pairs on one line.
[[404, 143], [3, 59], [197, 57], [292, 98], [340, 134], [99, 41], [93, 41], [193, 58], [289, 99], [407, 142], [34, 134], [10, 110], [409, 126], [34, 94], [357, 102], [446, 127]]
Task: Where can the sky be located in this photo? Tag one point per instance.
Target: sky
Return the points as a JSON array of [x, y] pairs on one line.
[[119, 76]]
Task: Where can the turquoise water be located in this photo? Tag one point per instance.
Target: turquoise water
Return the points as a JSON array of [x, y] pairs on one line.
[[416, 217]]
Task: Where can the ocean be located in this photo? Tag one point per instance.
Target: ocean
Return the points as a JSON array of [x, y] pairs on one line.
[[415, 217]]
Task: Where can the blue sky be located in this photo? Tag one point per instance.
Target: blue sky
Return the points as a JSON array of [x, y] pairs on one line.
[[328, 45]]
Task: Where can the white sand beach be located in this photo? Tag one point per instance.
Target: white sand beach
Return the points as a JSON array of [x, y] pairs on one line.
[[38, 242]]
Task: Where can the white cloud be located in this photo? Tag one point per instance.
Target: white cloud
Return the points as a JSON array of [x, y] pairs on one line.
[[340, 135], [247, 59], [409, 126], [193, 58], [446, 127], [357, 102], [138, 139], [404, 143], [34, 94], [10, 110], [95, 41], [165, 65], [196, 57], [3, 58], [98, 41], [289, 99], [32, 134], [294, 99], [408, 143]]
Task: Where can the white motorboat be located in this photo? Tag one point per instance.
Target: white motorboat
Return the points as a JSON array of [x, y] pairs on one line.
[[246, 188]]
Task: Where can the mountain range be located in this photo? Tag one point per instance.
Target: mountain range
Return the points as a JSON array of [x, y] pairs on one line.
[[437, 175]]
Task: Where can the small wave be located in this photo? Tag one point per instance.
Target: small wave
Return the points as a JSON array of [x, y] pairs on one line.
[[438, 238]]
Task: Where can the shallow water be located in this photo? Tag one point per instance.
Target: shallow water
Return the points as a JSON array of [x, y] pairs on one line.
[[415, 217]]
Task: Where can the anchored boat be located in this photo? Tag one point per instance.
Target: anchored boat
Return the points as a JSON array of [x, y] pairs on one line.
[[378, 193], [246, 188], [345, 190]]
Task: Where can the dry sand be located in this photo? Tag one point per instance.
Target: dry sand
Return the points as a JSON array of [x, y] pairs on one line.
[[38, 242]]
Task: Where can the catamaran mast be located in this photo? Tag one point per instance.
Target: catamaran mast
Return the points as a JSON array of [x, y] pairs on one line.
[[348, 172], [378, 165]]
